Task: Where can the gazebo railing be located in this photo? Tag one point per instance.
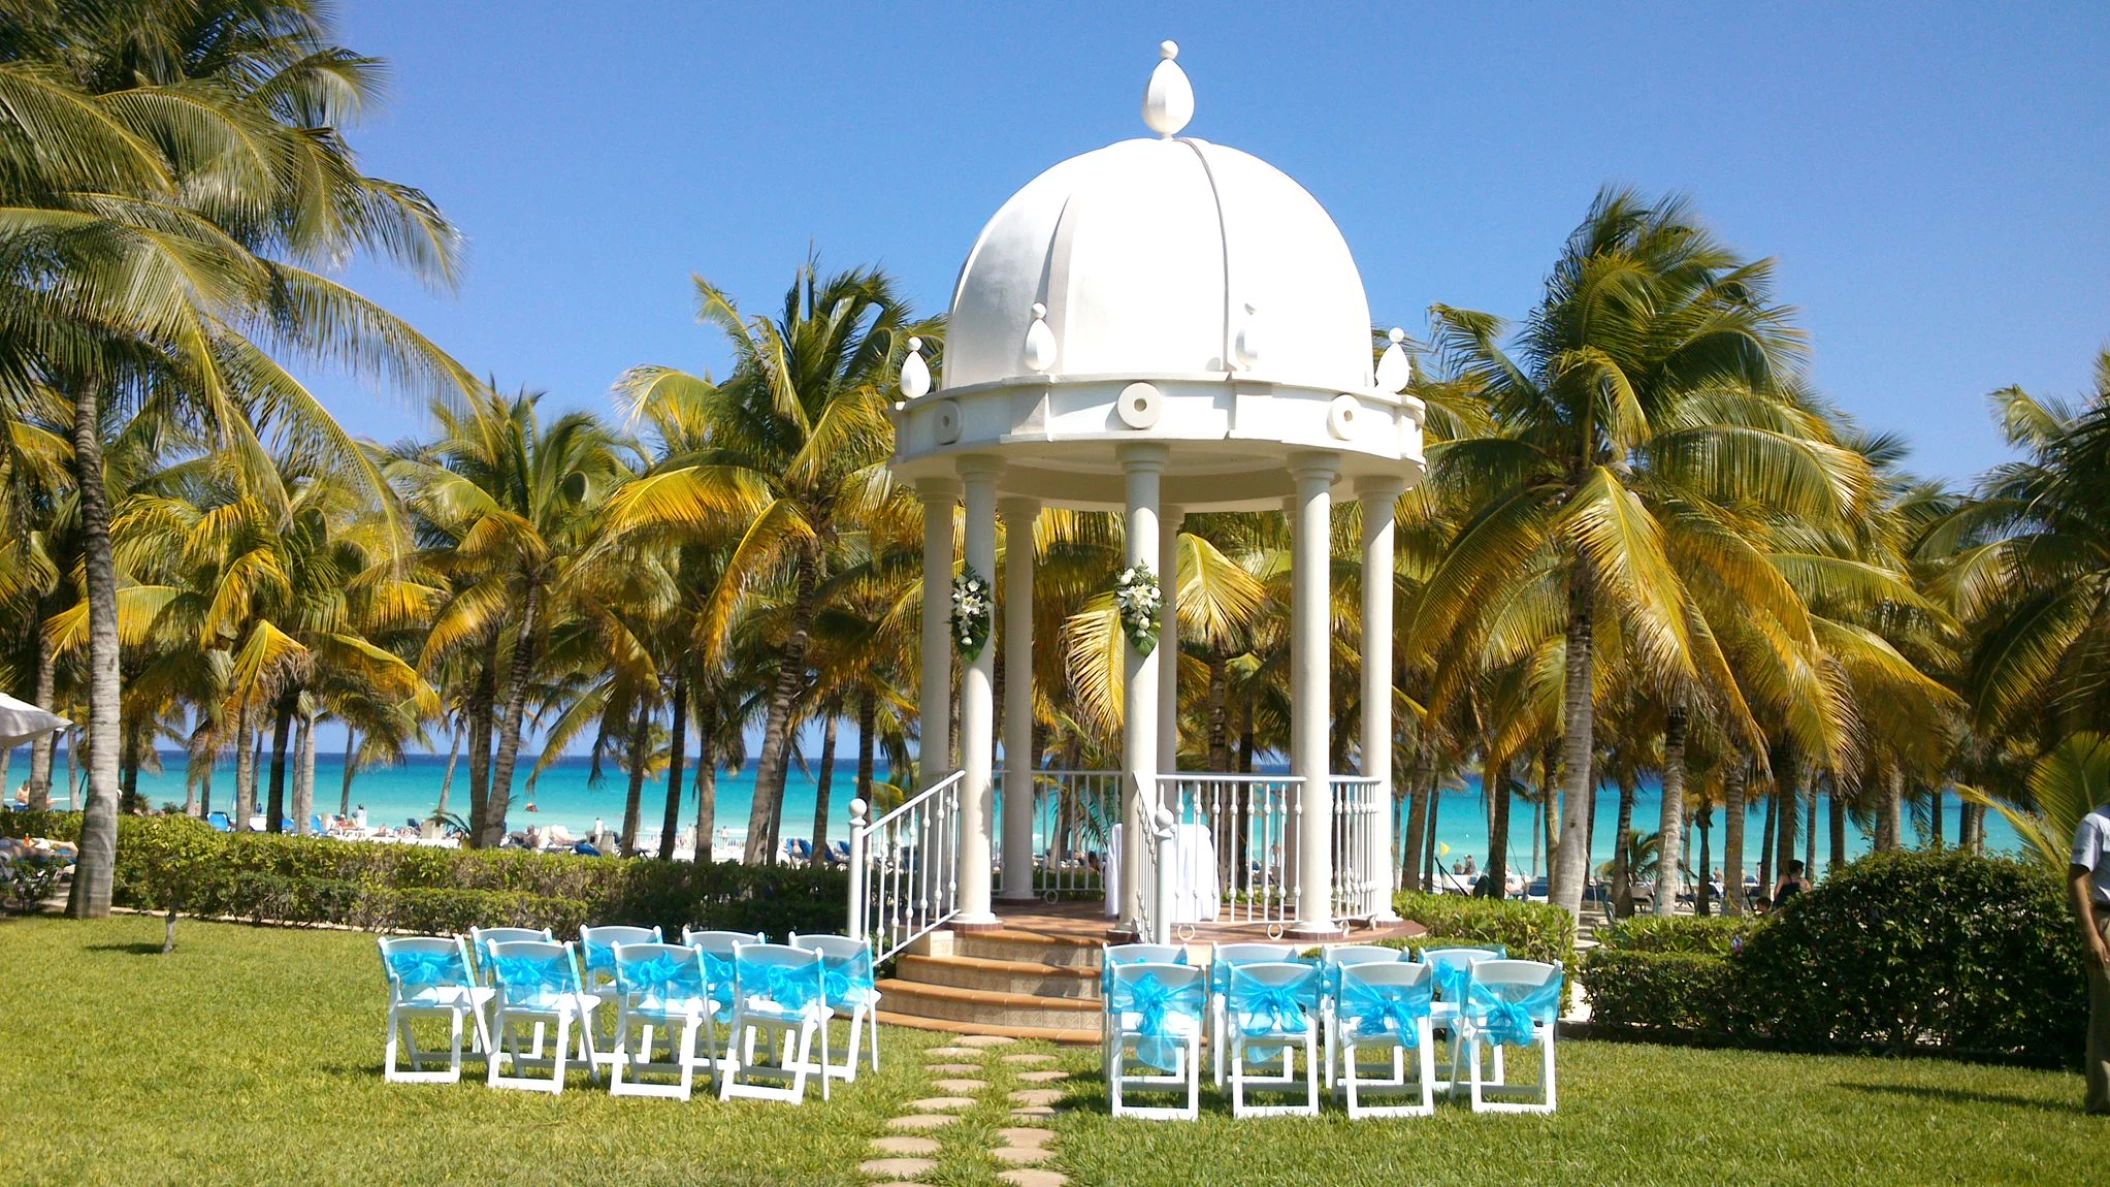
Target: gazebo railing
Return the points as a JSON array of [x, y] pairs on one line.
[[1251, 823], [1359, 885], [905, 867], [1074, 814]]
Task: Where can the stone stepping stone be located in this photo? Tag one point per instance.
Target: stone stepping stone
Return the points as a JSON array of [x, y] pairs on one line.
[[1033, 1177], [905, 1147], [961, 1086], [954, 1052], [1029, 1058], [987, 1041], [953, 1067], [920, 1122], [943, 1104], [896, 1168], [1022, 1155], [1026, 1135], [1038, 1096], [1034, 1113], [1047, 1077]]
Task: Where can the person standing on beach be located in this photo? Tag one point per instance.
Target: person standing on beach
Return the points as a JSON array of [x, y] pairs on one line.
[[2088, 881]]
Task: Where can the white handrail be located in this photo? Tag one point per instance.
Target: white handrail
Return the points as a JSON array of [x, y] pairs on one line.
[[904, 867]]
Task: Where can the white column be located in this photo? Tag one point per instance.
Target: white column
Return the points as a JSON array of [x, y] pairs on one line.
[[1168, 567], [939, 495], [1143, 464], [1019, 516], [1380, 498], [1311, 715], [978, 703]]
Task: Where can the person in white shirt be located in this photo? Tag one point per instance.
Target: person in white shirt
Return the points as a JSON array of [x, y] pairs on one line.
[[2088, 881]]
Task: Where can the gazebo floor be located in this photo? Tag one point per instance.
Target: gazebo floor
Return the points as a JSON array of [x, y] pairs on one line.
[[1036, 975]]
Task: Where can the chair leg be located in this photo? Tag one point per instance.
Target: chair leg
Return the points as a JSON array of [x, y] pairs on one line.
[[826, 1058], [1113, 1075], [1348, 1077], [561, 1051], [872, 1022], [1546, 1041], [1311, 1072], [454, 1025], [388, 1065]]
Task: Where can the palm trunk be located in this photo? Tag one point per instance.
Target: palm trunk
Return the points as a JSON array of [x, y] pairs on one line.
[[770, 772], [1790, 819], [205, 792], [1672, 829], [1622, 877], [1417, 831], [1973, 838], [1428, 844], [1700, 894], [1577, 740], [1809, 833], [1838, 824], [483, 699], [96, 862], [1495, 782], [510, 724], [867, 718], [1934, 820], [706, 778], [244, 762], [677, 746], [42, 750], [454, 753], [1890, 823], [1765, 841], [304, 786], [351, 764], [820, 790], [1219, 716], [1733, 837], [634, 802], [128, 771], [275, 813]]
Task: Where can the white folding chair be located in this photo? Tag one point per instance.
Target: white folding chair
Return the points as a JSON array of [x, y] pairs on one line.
[[1451, 965], [717, 948], [1386, 1005], [597, 976], [480, 941], [429, 977], [778, 993], [1333, 957], [1267, 1006], [1221, 959], [1112, 956], [1157, 1008], [847, 982], [537, 983], [1512, 1003], [658, 986]]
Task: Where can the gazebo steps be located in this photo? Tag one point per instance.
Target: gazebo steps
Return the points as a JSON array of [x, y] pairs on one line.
[[1013, 977], [946, 1026], [987, 1007], [1020, 946]]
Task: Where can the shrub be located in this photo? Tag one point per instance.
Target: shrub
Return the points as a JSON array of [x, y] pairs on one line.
[[1663, 990], [1904, 950], [1715, 934], [1531, 931]]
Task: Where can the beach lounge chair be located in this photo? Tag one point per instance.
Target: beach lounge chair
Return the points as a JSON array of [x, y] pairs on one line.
[[1386, 1005], [1332, 958], [798, 850], [659, 986], [1221, 958], [848, 986], [219, 821], [538, 982], [838, 853], [1157, 1008], [428, 977], [1271, 1008], [778, 997], [1512, 1003]]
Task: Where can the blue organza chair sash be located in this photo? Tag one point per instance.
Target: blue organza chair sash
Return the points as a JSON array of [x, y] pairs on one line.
[[1220, 972], [536, 981], [1157, 1006], [1451, 974], [718, 974], [1258, 1008], [1372, 1012], [1510, 1010], [793, 987], [1106, 971], [600, 958], [663, 982], [421, 969], [848, 980]]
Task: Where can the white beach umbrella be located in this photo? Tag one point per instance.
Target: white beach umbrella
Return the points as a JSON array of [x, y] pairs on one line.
[[22, 722]]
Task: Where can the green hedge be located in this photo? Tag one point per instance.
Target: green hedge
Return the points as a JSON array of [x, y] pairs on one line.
[[380, 887], [1944, 952], [1531, 931]]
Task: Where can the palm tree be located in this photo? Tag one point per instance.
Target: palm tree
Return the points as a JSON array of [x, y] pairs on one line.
[[1637, 410]]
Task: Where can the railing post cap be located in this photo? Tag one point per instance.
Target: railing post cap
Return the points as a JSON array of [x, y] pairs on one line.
[[1163, 817], [858, 808]]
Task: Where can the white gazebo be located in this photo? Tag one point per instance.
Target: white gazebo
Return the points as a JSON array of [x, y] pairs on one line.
[[1160, 326]]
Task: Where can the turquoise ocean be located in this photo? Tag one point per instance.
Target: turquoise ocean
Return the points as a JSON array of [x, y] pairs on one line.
[[565, 794]]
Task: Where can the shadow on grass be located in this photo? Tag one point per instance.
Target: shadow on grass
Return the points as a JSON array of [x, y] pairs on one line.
[[137, 948], [1957, 1096]]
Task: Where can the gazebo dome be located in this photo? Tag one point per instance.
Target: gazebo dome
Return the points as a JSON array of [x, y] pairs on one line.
[[1171, 295], [1171, 257]]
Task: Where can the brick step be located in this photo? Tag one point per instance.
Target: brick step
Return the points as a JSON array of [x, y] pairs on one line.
[[1002, 976], [1028, 947], [951, 1005], [945, 1026]]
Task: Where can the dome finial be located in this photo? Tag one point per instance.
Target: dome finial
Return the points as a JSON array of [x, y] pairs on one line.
[[1394, 369], [1168, 102], [915, 373]]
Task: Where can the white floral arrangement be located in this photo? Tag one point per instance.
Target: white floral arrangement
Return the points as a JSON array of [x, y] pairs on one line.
[[973, 610], [1141, 603]]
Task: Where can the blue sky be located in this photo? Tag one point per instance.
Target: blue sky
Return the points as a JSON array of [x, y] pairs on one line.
[[1931, 178]]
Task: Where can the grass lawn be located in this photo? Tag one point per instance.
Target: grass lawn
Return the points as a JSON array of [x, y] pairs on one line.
[[253, 1055]]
